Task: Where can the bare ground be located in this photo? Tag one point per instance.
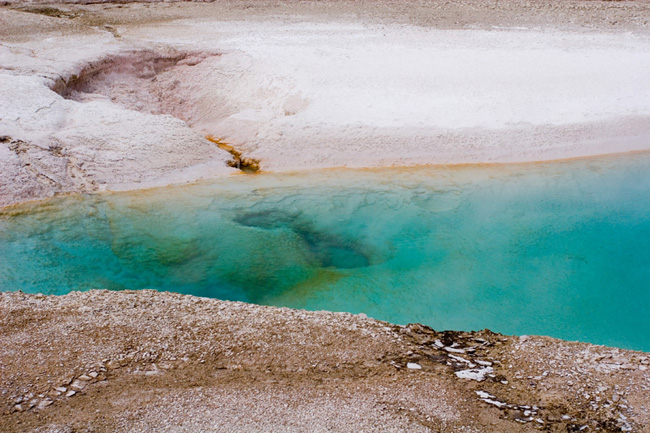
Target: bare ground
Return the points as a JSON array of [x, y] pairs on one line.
[[611, 15], [147, 361]]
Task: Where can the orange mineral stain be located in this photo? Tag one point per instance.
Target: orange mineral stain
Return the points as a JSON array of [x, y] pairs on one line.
[[247, 165]]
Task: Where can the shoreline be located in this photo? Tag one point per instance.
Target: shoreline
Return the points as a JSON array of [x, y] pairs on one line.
[[136, 188]]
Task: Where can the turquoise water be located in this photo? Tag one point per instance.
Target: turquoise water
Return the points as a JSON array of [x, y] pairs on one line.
[[560, 249]]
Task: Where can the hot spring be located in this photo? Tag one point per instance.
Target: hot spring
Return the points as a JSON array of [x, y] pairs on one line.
[[557, 249]]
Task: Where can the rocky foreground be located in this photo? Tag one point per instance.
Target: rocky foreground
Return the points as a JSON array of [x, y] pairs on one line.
[[147, 361]]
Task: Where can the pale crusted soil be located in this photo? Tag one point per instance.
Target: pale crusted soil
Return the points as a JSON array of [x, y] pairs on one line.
[[143, 361], [56, 145]]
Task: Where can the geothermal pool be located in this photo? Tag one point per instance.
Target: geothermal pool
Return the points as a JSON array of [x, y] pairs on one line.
[[557, 249]]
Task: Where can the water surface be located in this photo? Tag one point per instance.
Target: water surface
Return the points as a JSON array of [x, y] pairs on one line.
[[556, 249]]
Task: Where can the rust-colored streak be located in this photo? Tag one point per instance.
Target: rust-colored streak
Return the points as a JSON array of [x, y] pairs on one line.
[[247, 165]]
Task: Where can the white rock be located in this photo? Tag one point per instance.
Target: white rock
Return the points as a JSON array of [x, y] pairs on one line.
[[414, 366], [461, 359], [474, 373], [44, 403], [483, 394], [78, 385]]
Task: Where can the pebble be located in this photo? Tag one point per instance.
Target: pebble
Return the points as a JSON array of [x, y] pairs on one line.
[[474, 374], [61, 389], [93, 374], [413, 366], [112, 365], [461, 359], [45, 403], [78, 385], [496, 403], [71, 393]]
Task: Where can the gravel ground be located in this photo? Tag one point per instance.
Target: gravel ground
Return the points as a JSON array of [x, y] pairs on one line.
[[148, 361]]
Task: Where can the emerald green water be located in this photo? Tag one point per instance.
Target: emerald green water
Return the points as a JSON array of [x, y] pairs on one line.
[[560, 249]]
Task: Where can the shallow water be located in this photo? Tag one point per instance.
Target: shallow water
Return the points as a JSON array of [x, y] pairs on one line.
[[556, 249]]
